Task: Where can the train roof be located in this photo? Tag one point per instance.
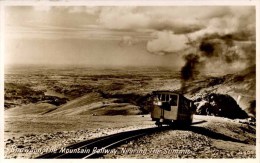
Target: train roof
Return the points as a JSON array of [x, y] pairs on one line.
[[170, 92], [167, 92]]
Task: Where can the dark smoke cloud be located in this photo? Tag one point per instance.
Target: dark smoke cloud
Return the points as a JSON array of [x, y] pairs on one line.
[[219, 53], [208, 48], [189, 70]]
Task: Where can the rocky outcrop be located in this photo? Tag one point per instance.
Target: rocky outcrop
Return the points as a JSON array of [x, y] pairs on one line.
[[221, 105]]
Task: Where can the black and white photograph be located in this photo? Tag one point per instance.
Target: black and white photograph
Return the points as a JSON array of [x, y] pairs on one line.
[[137, 81]]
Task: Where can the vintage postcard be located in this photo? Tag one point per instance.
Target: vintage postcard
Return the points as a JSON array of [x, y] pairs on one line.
[[129, 80]]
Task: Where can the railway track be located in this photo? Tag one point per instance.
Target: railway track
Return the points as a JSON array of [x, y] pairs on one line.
[[93, 148]]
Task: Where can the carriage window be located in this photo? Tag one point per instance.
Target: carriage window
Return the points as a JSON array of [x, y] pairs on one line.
[[173, 100], [159, 97], [163, 97], [167, 98]]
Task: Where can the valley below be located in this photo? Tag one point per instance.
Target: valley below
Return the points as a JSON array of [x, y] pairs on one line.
[[56, 107]]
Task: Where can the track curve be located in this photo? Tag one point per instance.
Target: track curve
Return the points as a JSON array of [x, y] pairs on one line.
[[91, 148]]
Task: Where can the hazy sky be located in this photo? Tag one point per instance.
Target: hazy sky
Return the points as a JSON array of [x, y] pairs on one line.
[[116, 36]]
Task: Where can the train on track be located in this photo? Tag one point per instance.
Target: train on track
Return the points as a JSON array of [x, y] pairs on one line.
[[171, 108]]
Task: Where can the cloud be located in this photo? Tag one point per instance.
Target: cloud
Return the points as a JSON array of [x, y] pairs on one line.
[[172, 25], [128, 41], [166, 42], [136, 18], [237, 20], [122, 18], [92, 10], [159, 18], [154, 29], [191, 19]]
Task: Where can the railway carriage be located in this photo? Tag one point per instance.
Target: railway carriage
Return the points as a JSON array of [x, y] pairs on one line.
[[171, 108]]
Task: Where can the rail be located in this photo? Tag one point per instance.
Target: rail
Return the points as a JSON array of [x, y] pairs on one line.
[[88, 149]]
